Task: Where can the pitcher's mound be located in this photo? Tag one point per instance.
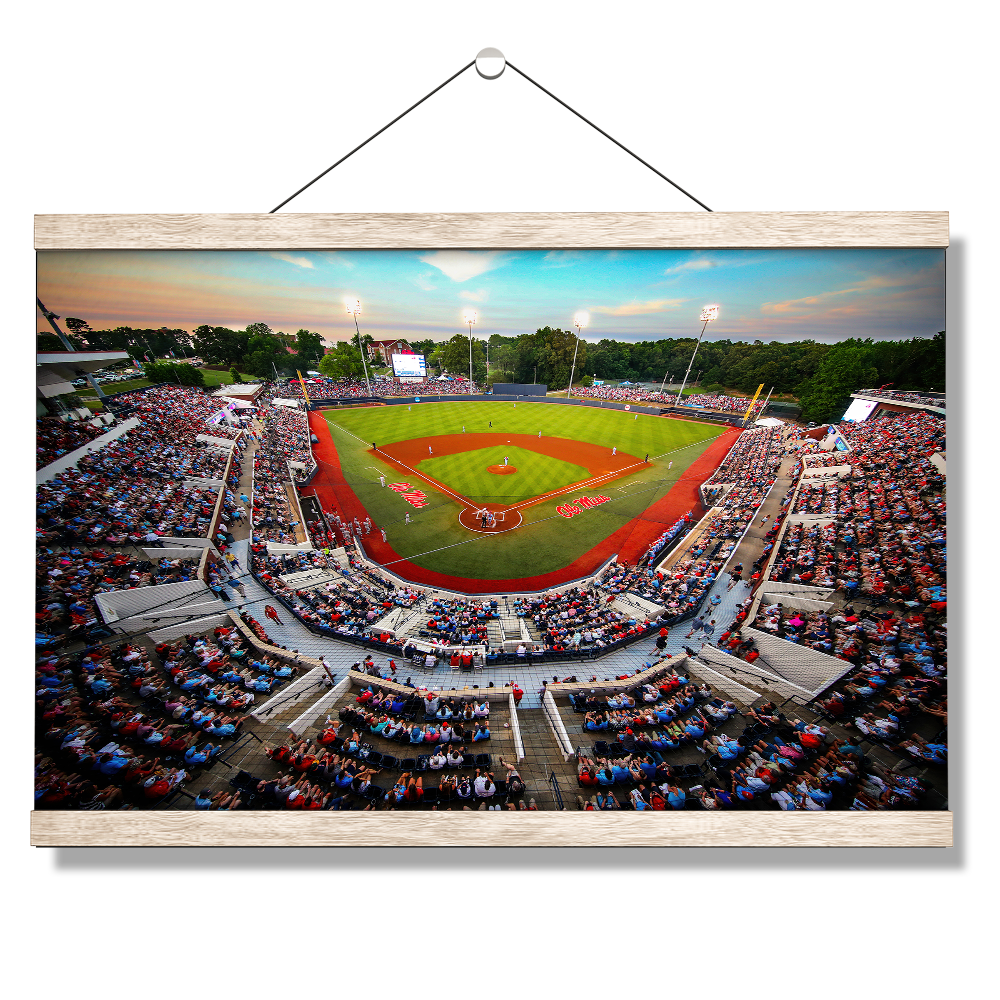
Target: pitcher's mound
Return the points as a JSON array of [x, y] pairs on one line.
[[501, 470]]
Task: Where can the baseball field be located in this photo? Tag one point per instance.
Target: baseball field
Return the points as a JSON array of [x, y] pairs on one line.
[[567, 486]]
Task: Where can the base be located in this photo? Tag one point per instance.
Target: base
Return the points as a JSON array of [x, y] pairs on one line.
[[506, 519]]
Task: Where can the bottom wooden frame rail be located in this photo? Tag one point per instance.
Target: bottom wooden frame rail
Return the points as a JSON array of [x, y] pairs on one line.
[[503, 829]]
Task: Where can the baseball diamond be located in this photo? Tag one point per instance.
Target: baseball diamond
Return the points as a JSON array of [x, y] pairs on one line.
[[580, 453]]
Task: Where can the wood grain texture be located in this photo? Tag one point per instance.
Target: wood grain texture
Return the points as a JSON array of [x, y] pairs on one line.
[[490, 829], [542, 230]]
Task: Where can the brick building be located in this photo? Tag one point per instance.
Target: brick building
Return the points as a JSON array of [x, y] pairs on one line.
[[384, 349]]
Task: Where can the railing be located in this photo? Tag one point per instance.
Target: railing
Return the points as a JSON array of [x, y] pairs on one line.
[[556, 791], [555, 722], [515, 728]]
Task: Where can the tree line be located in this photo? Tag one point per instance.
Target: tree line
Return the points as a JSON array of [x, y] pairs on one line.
[[257, 350], [821, 376]]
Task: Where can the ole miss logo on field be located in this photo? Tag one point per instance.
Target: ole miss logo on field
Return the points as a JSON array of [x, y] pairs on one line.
[[414, 497], [580, 503]]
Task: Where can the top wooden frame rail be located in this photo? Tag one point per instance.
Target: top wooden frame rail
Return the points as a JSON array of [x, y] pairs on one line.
[[535, 230]]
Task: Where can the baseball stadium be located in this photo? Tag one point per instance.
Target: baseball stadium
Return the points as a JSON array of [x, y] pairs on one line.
[[360, 590]]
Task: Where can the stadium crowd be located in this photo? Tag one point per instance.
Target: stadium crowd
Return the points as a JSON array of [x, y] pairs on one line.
[[891, 395], [381, 386], [129, 727], [886, 537], [123, 728], [55, 438]]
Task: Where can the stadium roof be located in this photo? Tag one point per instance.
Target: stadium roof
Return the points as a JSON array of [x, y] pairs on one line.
[[57, 369]]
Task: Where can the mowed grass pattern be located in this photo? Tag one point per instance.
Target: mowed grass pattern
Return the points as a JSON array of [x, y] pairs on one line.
[[636, 434], [467, 474], [545, 541]]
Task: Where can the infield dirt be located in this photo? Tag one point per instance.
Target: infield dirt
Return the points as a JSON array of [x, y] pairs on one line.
[[629, 541]]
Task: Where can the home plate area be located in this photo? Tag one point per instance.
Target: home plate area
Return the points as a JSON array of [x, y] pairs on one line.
[[489, 518]]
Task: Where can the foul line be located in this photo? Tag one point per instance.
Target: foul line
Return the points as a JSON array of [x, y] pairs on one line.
[[573, 488], [525, 524], [333, 423], [426, 479]]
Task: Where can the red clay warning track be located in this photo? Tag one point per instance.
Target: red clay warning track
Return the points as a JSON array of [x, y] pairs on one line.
[[629, 541]]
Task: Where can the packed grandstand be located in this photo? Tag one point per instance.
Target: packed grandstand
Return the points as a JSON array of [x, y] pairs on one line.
[[781, 646]]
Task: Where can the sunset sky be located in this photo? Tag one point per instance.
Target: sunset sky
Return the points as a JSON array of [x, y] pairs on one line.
[[824, 295]]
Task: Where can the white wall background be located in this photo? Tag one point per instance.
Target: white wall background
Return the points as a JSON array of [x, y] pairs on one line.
[[229, 107], [206, 107]]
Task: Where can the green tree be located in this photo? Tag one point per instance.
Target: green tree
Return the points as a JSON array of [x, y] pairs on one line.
[[554, 356], [79, 328], [344, 361], [423, 347], [168, 371], [46, 343], [308, 348], [845, 369], [455, 357], [219, 345], [237, 379], [265, 355]]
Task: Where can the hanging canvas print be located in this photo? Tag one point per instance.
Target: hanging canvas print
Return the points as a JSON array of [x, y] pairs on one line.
[[629, 529]]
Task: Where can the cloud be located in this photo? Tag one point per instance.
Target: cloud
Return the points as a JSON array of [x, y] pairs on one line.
[[460, 265], [639, 308], [423, 284], [560, 258], [871, 294], [337, 258], [298, 261], [481, 296], [698, 264], [807, 304]]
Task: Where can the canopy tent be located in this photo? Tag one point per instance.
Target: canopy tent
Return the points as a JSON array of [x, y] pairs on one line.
[[769, 422]]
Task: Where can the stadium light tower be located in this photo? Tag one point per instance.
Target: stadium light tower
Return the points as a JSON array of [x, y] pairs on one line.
[[354, 309], [580, 320], [708, 315], [469, 316]]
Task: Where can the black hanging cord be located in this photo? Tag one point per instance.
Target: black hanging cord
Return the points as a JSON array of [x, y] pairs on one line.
[[369, 139], [606, 136], [526, 77]]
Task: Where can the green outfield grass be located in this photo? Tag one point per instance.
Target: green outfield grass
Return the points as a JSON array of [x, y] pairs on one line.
[[467, 474], [545, 541], [612, 428]]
